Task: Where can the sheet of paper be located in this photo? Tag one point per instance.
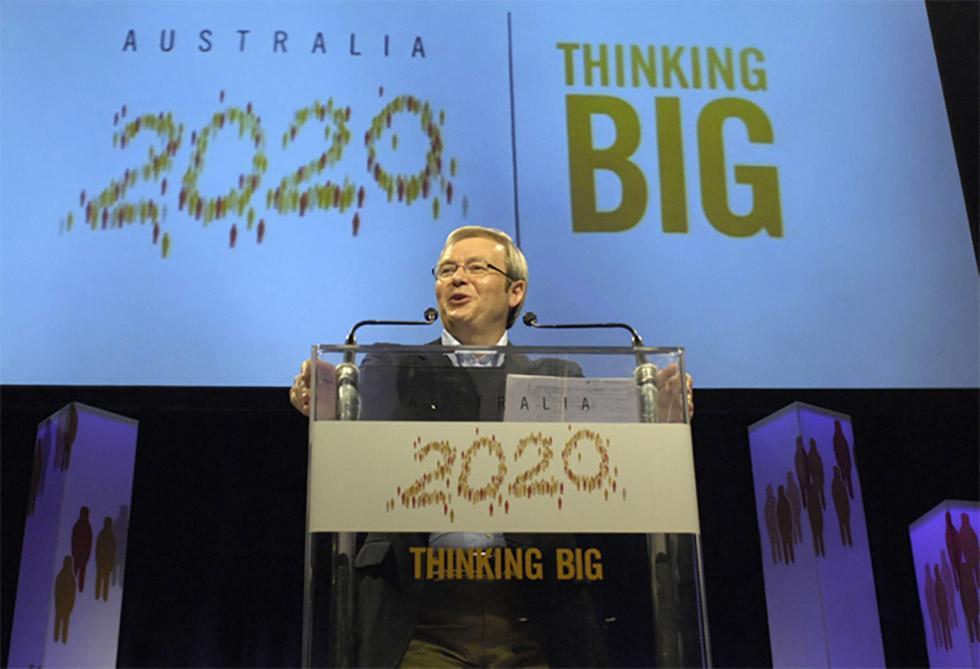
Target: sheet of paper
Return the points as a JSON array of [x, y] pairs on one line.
[[571, 399], [326, 391]]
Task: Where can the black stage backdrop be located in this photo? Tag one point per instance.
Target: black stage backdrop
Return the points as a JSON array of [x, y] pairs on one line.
[[214, 571]]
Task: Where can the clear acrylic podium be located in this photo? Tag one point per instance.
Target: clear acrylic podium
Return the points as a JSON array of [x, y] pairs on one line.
[[542, 495]]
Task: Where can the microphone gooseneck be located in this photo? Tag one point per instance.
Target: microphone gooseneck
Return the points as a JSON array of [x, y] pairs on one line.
[[645, 372], [348, 401], [531, 320], [429, 316]]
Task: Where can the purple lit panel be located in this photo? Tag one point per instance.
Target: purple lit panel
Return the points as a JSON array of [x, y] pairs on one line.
[[69, 591], [944, 550], [820, 592]]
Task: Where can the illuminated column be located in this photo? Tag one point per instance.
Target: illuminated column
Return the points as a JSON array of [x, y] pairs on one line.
[[69, 591], [820, 591], [944, 550]]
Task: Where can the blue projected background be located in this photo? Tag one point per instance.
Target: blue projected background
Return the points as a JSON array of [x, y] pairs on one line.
[[309, 160]]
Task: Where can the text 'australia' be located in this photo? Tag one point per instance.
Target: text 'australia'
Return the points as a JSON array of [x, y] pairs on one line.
[[276, 41]]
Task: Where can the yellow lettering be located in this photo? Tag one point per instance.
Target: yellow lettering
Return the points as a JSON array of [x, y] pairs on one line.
[[601, 63], [513, 565], [763, 179], [696, 67], [584, 159], [464, 562], [569, 50], [672, 65], [648, 66], [753, 79], [532, 564], [483, 568], [593, 564], [417, 552], [565, 563], [436, 563], [670, 155], [725, 69], [618, 51]]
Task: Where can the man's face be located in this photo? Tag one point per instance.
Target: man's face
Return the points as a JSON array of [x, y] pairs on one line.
[[474, 309]]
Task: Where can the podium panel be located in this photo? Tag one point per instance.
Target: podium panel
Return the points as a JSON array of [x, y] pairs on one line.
[[69, 590], [519, 506]]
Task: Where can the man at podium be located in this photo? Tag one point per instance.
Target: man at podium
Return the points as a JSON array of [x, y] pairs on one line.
[[481, 281]]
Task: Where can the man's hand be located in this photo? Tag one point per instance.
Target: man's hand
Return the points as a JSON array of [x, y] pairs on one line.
[[669, 407], [299, 394]]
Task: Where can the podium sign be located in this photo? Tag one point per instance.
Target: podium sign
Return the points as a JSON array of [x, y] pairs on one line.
[[69, 591], [642, 474], [572, 535]]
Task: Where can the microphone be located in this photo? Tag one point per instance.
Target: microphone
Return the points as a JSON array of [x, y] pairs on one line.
[[645, 372], [430, 315], [531, 320]]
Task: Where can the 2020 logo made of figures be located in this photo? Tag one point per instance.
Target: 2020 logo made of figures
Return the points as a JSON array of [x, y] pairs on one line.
[[805, 490], [434, 487], [109, 209]]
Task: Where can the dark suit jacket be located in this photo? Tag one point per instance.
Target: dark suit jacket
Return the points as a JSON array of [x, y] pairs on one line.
[[428, 387]]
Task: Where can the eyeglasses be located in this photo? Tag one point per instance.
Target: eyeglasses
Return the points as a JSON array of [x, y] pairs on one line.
[[475, 269]]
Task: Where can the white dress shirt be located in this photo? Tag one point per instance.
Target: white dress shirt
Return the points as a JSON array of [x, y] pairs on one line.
[[470, 359]]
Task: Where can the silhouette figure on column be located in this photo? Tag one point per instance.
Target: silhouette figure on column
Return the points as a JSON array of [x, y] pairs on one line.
[[967, 540], [64, 599], [784, 514], [802, 472], [772, 526], [842, 453], [948, 580], [942, 606], [842, 505], [953, 545], [969, 599], [795, 504], [814, 465], [930, 588], [81, 546], [816, 520], [121, 529], [105, 558]]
